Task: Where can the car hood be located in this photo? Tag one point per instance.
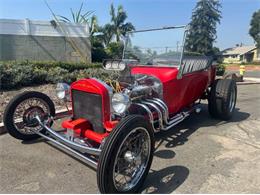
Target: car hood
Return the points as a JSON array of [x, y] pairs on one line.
[[165, 74]]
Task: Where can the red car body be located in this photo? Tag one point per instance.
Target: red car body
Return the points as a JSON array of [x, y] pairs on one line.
[[178, 94], [112, 123]]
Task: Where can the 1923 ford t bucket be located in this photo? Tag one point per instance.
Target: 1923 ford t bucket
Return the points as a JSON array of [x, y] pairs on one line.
[[112, 127]]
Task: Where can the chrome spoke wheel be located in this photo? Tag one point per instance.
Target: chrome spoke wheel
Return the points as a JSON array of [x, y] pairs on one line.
[[131, 159], [25, 112]]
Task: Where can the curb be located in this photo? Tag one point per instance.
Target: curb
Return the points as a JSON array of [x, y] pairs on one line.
[[59, 114], [247, 80], [252, 79], [2, 129], [247, 83]]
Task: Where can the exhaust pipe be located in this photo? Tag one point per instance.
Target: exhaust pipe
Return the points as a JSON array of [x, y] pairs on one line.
[[165, 123]]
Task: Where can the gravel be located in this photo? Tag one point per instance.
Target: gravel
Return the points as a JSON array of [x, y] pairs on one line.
[[49, 89]]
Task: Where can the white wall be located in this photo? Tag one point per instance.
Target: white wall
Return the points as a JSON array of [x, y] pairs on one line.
[[42, 28]]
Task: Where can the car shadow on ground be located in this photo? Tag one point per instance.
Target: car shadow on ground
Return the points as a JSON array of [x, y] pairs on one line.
[[165, 180], [170, 178], [179, 134], [59, 149]]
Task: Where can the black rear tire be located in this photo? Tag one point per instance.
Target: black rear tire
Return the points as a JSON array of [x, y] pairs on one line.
[[111, 148], [8, 118], [222, 99]]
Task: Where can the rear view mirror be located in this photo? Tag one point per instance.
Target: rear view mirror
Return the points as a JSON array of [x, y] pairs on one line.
[[117, 65]]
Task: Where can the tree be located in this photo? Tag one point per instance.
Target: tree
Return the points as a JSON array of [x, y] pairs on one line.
[[78, 17], [98, 51], [254, 30], [202, 33], [119, 26], [107, 34], [115, 50], [93, 25]]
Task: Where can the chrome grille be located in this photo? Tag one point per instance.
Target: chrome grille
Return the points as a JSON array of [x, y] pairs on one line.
[[89, 106]]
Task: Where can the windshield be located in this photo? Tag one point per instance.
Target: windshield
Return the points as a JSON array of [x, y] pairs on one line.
[[161, 47]]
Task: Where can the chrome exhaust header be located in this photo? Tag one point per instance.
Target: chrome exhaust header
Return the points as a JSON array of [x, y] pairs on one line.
[[157, 105], [150, 115], [160, 116]]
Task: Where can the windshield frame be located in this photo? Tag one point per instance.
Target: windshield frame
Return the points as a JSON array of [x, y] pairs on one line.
[[185, 27]]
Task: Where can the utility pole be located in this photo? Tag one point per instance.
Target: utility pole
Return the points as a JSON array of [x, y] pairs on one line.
[[177, 46], [166, 49]]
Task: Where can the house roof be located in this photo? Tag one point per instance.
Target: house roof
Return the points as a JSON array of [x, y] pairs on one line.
[[238, 50]]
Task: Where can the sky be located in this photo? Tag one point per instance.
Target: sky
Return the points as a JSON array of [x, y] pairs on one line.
[[234, 27]]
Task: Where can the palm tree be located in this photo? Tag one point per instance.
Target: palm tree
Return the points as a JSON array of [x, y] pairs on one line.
[[107, 34], [119, 26], [93, 25], [77, 16]]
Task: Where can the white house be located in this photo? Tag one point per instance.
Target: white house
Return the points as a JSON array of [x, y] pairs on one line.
[[241, 54]]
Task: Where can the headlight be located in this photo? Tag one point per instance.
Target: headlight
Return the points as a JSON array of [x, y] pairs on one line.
[[63, 91], [120, 103], [117, 65]]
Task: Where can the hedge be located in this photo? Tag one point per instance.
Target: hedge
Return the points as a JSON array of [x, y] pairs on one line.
[[20, 74]]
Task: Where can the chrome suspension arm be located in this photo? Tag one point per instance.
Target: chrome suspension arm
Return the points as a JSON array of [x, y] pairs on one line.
[[85, 149]]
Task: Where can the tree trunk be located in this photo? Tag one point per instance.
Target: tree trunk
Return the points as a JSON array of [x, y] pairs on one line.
[[117, 38]]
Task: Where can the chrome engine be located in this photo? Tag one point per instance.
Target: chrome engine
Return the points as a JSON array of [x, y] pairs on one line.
[[146, 98], [144, 86]]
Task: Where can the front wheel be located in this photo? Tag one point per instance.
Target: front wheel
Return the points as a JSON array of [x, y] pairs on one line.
[[126, 156], [20, 113]]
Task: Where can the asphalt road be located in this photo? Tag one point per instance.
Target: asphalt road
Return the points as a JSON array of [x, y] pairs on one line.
[[201, 155]]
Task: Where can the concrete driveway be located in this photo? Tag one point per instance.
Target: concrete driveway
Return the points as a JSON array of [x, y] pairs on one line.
[[201, 155]]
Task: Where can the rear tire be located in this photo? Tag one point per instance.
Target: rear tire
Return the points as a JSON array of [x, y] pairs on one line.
[[222, 99], [115, 153], [22, 131]]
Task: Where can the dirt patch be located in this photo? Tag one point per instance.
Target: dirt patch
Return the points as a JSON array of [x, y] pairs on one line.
[[49, 89]]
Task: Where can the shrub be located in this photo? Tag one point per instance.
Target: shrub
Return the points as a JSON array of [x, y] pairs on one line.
[[98, 73], [26, 73], [221, 68], [56, 75], [16, 76], [67, 66], [40, 75], [7, 77]]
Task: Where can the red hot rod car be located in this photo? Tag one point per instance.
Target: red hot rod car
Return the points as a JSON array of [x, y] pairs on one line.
[[112, 124]]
